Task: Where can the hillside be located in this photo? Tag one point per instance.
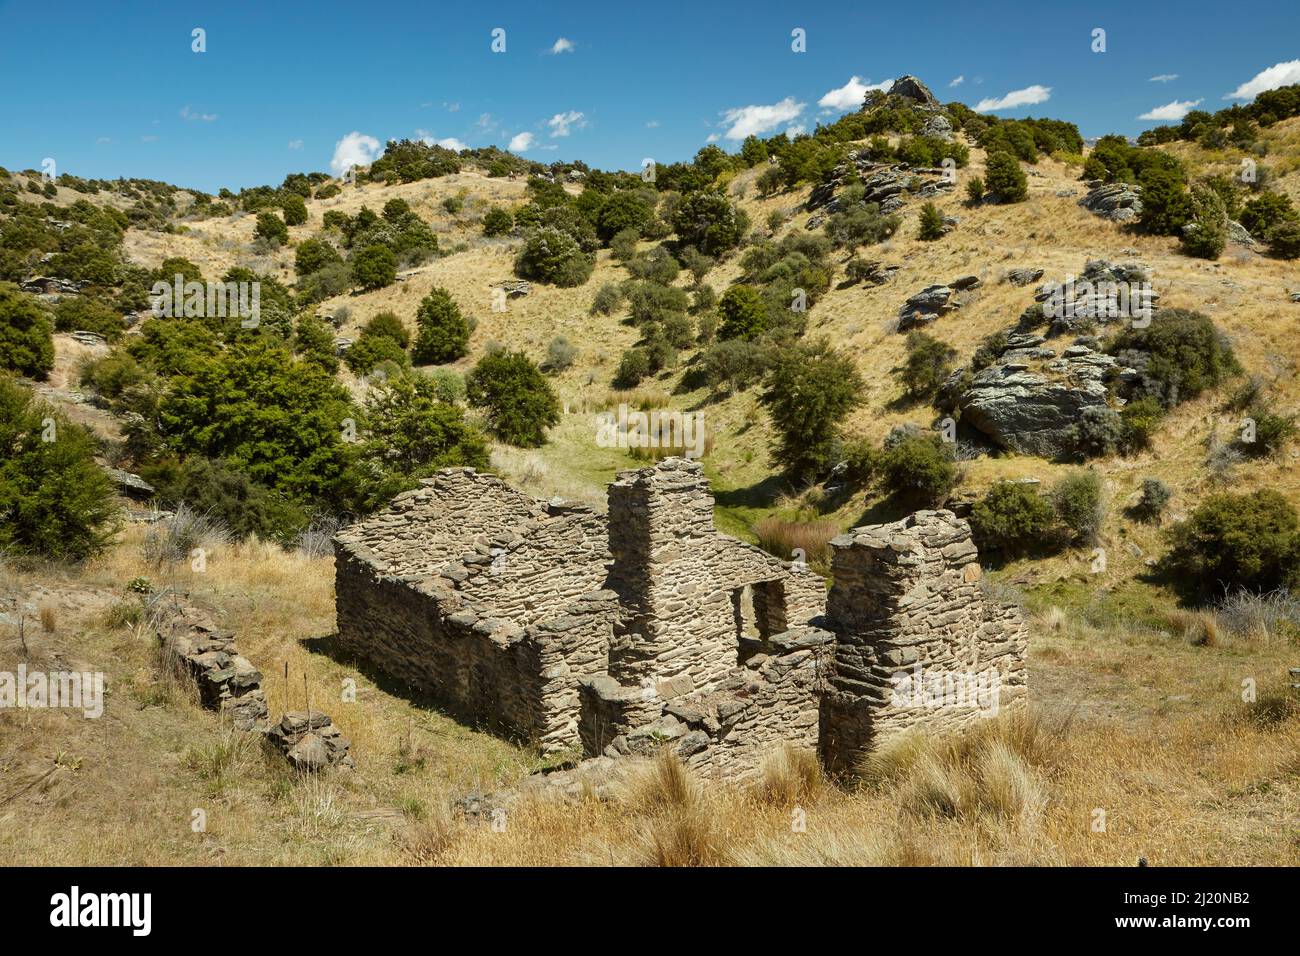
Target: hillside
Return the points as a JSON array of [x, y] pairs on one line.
[[1136, 690]]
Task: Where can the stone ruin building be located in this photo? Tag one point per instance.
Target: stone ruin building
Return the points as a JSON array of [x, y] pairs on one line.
[[594, 634]]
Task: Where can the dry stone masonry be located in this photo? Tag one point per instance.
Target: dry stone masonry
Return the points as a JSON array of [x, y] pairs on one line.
[[604, 636]]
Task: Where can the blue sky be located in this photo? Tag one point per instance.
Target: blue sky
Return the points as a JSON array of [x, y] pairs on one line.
[[111, 89]]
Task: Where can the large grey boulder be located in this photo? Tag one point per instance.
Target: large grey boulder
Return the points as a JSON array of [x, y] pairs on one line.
[[1030, 400]]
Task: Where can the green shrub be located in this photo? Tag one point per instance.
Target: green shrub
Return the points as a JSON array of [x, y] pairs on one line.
[[607, 299], [920, 467], [1139, 420], [26, 334], [1231, 542], [325, 283], [975, 189], [313, 255], [1079, 502], [271, 228], [1166, 204], [1271, 431], [412, 430], [709, 222], [374, 267], [1153, 501], [314, 342], [1207, 232], [810, 389], [279, 420], [1178, 356], [294, 209], [443, 333], [860, 224], [931, 222], [1011, 516], [633, 366], [226, 495], [1005, 179], [83, 313], [55, 501], [744, 313], [1284, 239], [1265, 211], [520, 405], [929, 362], [734, 364], [550, 255], [560, 354], [624, 210], [498, 222]]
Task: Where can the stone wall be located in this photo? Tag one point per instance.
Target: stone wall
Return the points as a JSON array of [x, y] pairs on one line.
[[645, 628], [914, 632], [481, 598]]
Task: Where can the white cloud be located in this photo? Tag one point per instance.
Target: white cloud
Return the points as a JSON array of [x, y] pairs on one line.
[[354, 149], [447, 142], [653, 124], [752, 120], [958, 80], [452, 107], [1171, 111], [191, 115], [711, 138], [797, 130], [485, 122], [1163, 78], [850, 95], [295, 144], [104, 140], [561, 123], [521, 142], [1026, 97], [562, 46], [1279, 74]]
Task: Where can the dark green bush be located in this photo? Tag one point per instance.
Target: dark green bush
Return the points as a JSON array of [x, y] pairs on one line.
[[374, 267], [1011, 516], [920, 467], [55, 501], [1232, 541], [1005, 179], [931, 222], [550, 255], [1079, 502], [633, 366], [810, 389], [1153, 501], [294, 209], [520, 405], [271, 228], [1179, 355], [26, 334], [443, 334], [498, 222], [83, 313], [929, 362], [744, 313]]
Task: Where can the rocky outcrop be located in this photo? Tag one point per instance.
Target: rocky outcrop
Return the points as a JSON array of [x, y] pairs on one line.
[[885, 184], [934, 301], [910, 88], [1240, 234], [1118, 202], [1100, 293], [1023, 277]]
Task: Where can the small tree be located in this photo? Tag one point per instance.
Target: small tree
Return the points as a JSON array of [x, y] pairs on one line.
[[374, 267], [920, 467], [1235, 541], [810, 389], [271, 228], [26, 334], [744, 313], [443, 333], [1153, 501], [1005, 179], [1011, 516], [313, 255], [1079, 502], [929, 362], [633, 366], [520, 405], [55, 500], [295, 210], [707, 220], [975, 190], [551, 255], [1207, 233], [1284, 239], [931, 222], [498, 222]]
